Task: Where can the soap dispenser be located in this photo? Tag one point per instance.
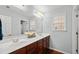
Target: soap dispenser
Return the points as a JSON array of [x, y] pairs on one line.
[[1, 35]]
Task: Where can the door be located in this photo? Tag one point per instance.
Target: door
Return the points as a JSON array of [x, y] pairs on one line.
[[75, 30], [24, 26], [77, 34]]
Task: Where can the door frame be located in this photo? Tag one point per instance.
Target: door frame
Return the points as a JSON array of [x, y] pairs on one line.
[[74, 30]]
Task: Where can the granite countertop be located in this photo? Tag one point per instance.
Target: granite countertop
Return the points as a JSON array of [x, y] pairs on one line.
[[10, 44]]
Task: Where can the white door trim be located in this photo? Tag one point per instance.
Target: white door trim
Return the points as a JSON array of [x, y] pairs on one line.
[[74, 27]]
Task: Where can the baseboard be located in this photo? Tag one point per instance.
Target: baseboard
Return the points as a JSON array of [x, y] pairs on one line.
[[59, 51], [54, 52]]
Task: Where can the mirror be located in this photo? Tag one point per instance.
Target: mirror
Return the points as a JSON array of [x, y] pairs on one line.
[[16, 25]]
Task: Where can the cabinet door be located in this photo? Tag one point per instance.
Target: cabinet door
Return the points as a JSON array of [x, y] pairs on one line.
[[31, 49], [40, 46], [46, 44], [20, 51]]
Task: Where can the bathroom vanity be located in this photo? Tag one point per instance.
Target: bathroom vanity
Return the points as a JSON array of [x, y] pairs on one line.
[[36, 45]]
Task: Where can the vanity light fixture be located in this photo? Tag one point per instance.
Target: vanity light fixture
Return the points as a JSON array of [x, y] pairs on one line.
[[38, 13]]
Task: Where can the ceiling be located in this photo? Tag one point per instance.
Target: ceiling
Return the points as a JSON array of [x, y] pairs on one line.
[[28, 10]]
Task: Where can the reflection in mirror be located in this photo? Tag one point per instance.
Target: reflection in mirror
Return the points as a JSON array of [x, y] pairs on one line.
[[24, 26]]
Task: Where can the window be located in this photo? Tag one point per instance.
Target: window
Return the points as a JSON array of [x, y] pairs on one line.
[[59, 23]]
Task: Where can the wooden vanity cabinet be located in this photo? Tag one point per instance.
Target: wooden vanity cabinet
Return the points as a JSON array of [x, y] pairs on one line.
[[38, 47], [31, 49], [46, 44], [20, 51]]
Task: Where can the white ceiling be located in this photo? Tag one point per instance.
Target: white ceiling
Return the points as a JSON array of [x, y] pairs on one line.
[[27, 10]]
